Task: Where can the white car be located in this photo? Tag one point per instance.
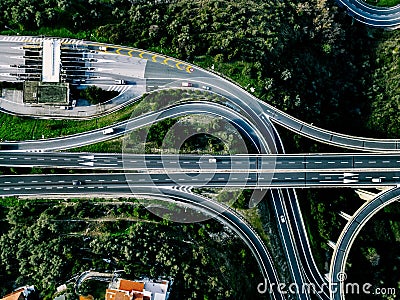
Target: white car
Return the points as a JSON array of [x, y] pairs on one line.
[[282, 218]]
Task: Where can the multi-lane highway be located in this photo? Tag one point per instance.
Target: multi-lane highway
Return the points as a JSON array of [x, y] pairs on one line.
[[45, 184], [259, 163], [37, 145], [251, 117], [166, 73]]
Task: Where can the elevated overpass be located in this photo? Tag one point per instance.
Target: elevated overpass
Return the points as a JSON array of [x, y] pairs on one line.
[[374, 16]]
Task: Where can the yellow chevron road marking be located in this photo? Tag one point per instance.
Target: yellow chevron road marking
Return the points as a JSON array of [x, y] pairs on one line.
[[189, 69], [177, 65], [130, 52]]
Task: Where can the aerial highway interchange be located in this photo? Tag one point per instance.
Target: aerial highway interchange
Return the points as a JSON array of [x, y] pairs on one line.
[[172, 177]]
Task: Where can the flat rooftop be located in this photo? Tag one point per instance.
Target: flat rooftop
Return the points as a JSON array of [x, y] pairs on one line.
[[46, 93], [51, 60]]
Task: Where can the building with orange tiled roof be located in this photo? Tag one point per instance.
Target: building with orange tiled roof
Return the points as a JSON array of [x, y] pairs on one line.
[[128, 285], [20, 293], [88, 297], [123, 289], [17, 295]]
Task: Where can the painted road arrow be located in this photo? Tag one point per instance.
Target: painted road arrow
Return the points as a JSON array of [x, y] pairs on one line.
[[89, 163], [349, 174], [89, 157], [349, 180]]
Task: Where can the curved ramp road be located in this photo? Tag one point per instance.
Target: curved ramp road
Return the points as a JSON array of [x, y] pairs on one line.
[[92, 275], [125, 127], [256, 121], [330, 137], [301, 241], [349, 234], [220, 212], [234, 222], [245, 102], [384, 17], [290, 205], [259, 110]]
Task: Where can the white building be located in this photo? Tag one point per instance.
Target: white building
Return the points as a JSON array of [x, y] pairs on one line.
[[51, 60]]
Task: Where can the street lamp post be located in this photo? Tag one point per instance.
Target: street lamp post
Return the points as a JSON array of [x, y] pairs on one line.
[[6, 27]]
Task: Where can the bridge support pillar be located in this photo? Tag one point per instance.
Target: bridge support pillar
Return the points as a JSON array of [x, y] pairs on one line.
[[383, 188], [332, 244], [365, 195], [347, 217]]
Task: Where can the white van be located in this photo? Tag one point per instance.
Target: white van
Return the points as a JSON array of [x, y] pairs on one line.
[[108, 131]]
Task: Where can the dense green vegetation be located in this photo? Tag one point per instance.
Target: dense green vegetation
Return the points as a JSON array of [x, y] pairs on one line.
[[375, 254], [26, 128], [10, 85], [385, 113], [190, 135], [305, 57], [93, 94], [49, 242], [384, 3], [320, 209], [112, 146]]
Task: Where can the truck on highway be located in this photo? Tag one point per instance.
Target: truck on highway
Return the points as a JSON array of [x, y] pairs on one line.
[[108, 131], [187, 84]]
